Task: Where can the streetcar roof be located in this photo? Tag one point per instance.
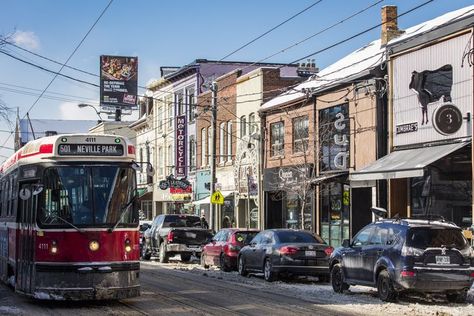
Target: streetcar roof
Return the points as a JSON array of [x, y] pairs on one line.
[[72, 147]]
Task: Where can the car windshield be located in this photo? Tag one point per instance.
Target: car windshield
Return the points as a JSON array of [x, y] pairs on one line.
[[244, 238], [426, 237], [182, 221], [88, 196], [298, 236]]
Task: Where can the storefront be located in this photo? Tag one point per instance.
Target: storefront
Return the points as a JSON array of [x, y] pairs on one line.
[[429, 170], [289, 197]]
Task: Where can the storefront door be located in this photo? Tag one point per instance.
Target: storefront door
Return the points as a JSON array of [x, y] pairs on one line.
[[334, 212]]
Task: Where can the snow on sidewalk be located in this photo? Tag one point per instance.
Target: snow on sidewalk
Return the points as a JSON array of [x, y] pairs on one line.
[[359, 300]]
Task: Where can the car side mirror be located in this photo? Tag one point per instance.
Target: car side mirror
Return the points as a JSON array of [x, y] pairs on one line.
[[346, 243]]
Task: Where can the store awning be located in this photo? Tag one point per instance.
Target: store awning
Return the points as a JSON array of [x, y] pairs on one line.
[[207, 200], [327, 176], [404, 163]]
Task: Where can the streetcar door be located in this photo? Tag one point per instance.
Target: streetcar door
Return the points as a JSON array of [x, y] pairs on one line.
[[28, 203]]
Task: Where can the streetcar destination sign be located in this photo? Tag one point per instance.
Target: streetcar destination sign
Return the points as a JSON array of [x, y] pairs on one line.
[[90, 150]]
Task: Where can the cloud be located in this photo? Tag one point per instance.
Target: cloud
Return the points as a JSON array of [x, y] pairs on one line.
[[27, 40], [70, 111]]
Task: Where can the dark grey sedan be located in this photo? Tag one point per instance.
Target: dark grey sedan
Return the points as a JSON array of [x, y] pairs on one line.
[[285, 251]]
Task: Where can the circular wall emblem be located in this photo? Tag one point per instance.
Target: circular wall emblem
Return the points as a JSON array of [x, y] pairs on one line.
[[447, 119]]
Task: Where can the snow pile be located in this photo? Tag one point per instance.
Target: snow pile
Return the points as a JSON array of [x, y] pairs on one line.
[[358, 298]]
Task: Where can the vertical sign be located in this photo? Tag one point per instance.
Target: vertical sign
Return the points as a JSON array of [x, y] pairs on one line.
[[181, 168], [118, 81], [334, 138]]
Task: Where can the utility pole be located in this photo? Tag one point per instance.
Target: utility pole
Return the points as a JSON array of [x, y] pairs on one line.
[[213, 151]]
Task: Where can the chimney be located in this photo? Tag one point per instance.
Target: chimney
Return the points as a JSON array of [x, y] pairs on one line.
[[389, 24]]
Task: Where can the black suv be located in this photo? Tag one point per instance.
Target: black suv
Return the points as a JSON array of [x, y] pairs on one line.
[[396, 255]]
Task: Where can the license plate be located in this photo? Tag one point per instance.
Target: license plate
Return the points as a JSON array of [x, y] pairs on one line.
[[442, 260], [310, 253], [190, 235]]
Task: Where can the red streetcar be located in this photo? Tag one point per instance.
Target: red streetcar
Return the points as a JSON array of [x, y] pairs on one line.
[[69, 219]]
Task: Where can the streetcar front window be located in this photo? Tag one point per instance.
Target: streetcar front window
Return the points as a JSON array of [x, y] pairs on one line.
[[87, 195]]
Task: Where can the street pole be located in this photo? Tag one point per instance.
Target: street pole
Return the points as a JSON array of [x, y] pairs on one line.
[[118, 114], [213, 150], [248, 198]]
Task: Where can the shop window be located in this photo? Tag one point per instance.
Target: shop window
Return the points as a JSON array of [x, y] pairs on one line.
[[334, 138], [300, 134], [334, 208], [277, 139]]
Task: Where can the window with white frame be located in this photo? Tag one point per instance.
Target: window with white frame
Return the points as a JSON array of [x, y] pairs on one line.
[[222, 142], [192, 153], [243, 126], [169, 105], [160, 160], [209, 146], [300, 134], [203, 147], [229, 140], [180, 107], [190, 100], [277, 138], [252, 126], [170, 159], [160, 117]]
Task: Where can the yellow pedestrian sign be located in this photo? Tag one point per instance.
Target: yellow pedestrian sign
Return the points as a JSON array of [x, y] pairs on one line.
[[217, 198]]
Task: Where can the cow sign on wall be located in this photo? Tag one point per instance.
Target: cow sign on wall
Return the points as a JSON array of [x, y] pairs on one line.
[[432, 93]]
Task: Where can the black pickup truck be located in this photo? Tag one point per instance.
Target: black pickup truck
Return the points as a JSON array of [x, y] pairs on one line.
[[173, 234]]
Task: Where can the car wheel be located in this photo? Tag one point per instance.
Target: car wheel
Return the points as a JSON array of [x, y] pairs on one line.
[[385, 289], [163, 254], [222, 264], [145, 254], [203, 261], [268, 273], [457, 297], [241, 267], [337, 279], [185, 257]]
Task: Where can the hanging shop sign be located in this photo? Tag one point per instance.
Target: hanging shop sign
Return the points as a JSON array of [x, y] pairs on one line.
[[172, 182], [180, 138], [118, 81], [286, 178]]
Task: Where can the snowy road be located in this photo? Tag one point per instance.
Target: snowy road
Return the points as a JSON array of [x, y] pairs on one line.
[[188, 289]]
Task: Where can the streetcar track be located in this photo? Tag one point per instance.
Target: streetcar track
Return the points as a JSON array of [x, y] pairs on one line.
[[291, 308], [215, 307]]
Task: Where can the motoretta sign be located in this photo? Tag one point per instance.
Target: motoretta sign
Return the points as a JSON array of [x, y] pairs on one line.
[[181, 170], [118, 81]]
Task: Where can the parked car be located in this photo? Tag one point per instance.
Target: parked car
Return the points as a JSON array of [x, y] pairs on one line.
[[173, 234], [143, 226], [396, 255], [224, 248], [285, 251]]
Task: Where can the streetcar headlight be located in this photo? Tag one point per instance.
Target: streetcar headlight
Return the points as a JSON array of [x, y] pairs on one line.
[[128, 247], [54, 247], [94, 245]]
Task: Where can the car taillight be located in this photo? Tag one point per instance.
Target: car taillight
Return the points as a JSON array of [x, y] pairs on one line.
[[170, 236], [407, 274], [288, 250], [328, 250], [411, 251]]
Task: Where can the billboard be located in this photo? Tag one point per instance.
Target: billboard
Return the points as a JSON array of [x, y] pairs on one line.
[[118, 81], [180, 137]]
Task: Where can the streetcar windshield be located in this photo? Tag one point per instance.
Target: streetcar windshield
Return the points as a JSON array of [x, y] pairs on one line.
[[88, 195]]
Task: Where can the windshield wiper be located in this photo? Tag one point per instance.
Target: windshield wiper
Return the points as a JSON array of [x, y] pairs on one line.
[[69, 223], [123, 209]]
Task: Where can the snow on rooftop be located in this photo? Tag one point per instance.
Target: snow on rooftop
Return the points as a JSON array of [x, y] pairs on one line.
[[433, 24], [361, 60]]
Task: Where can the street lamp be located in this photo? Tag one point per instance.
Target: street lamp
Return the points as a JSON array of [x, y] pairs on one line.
[[83, 105]]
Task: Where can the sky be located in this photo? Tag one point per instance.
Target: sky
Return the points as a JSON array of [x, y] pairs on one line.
[[169, 33]]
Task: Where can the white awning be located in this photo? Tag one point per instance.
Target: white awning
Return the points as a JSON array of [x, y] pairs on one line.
[[324, 177], [207, 200], [406, 163]]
